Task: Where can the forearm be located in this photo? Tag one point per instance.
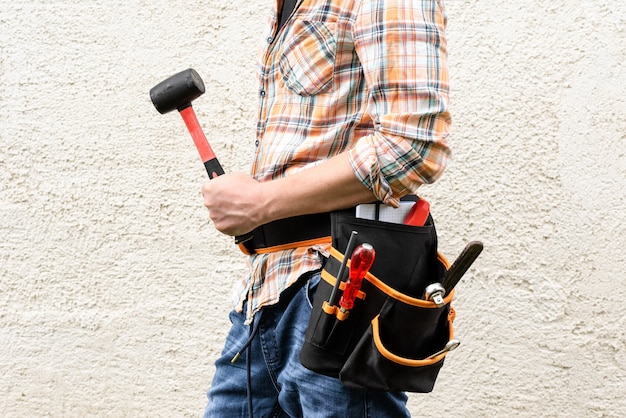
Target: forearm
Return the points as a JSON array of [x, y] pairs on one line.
[[328, 186], [237, 203]]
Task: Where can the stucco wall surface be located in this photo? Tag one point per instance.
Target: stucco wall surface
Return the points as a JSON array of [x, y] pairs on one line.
[[115, 288]]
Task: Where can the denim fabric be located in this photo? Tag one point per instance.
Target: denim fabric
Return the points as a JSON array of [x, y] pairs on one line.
[[281, 386]]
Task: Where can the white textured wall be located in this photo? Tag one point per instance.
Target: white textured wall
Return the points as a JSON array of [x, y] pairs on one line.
[[114, 288]]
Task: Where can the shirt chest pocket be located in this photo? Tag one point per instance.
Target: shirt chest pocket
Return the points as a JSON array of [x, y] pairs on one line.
[[308, 58]]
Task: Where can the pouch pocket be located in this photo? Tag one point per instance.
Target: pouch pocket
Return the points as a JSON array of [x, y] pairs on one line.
[[398, 354], [384, 341], [406, 256], [307, 63], [331, 336]]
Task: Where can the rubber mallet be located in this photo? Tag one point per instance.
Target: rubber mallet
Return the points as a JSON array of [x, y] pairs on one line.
[[176, 93]]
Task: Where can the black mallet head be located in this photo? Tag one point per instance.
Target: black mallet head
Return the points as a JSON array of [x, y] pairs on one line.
[[177, 92]]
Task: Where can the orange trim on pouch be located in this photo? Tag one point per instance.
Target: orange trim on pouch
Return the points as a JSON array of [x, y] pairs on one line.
[[335, 311], [388, 290], [330, 279], [330, 310], [403, 360], [243, 249]]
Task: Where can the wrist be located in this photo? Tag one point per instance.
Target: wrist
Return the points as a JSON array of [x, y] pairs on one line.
[[268, 202]]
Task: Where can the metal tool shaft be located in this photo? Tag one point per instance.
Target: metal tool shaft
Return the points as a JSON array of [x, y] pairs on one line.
[[342, 268], [451, 345]]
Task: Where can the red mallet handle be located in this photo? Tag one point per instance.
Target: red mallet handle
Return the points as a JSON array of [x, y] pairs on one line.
[[360, 263], [212, 165]]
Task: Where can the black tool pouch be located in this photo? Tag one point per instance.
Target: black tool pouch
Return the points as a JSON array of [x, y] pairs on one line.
[[385, 342]]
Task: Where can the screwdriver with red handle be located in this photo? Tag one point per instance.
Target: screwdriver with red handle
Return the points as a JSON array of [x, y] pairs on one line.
[[360, 263]]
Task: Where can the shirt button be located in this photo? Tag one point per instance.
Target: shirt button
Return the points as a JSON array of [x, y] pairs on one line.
[[262, 93], [270, 40], [256, 143]]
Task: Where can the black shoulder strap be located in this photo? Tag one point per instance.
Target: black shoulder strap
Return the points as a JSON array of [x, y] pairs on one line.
[[288, 8]]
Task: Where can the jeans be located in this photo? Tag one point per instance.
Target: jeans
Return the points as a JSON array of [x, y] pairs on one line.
[[281, 386]]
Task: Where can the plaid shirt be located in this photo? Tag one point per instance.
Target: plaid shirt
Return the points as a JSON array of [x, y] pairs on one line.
[[365, 76]]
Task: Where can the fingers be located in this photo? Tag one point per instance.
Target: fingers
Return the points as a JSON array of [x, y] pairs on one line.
[[206, 193], [232, 203]]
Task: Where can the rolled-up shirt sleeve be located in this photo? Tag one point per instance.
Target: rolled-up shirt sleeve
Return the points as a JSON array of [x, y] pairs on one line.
[[402, 48]]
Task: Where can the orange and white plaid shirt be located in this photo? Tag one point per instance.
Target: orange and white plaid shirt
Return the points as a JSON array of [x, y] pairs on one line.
[[365, 76]]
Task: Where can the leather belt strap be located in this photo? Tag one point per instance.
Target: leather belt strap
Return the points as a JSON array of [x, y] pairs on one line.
[[283, 234]]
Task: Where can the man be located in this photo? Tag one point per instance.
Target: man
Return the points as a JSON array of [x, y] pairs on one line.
[[352, 108]]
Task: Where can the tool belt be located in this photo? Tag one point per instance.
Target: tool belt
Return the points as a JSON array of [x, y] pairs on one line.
[[298, 231], [388, 339]]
